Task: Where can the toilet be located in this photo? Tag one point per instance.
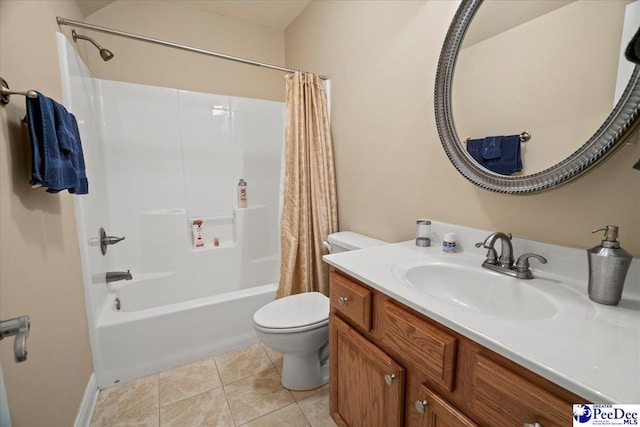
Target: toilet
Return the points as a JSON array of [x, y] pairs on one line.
[[298, 325]]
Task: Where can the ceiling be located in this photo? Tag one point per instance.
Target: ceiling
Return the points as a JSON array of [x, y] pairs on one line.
[[495, 17], [272, 13]]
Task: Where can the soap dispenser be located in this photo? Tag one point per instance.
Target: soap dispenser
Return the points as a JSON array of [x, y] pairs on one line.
[[608, 266]]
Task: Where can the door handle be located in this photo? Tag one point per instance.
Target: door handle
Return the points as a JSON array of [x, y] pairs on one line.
[[18, 327]]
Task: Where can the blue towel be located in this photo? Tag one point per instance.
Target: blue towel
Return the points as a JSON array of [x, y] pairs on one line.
[[492, 147], [58, 161], [499, 154]]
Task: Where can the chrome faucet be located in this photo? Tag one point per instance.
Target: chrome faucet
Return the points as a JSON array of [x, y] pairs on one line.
[[114, 276], [504, 263], [506, 252]]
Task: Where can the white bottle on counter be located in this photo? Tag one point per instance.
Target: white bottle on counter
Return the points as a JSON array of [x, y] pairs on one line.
[[449, 242], [242, 194]]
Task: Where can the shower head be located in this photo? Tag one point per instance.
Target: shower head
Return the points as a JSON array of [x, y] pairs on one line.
[[105, 54]]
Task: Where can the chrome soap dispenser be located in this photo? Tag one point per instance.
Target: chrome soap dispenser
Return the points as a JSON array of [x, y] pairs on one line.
[[608, 266]]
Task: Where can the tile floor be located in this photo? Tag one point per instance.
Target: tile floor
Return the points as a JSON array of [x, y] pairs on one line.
[[239, 388]]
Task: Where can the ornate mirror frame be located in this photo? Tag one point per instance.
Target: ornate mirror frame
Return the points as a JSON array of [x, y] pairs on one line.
[[619, 125]]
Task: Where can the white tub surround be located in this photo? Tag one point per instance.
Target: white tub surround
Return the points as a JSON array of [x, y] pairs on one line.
[[590, 349], [157, 159]]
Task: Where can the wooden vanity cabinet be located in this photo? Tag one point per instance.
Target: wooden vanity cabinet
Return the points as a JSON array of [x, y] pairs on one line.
[[437, 412], [392, 366], [368, 390]]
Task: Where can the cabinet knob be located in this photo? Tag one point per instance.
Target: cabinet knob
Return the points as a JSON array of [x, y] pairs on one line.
[[342, 300], [421, 405], [388, 378], [531, 425]]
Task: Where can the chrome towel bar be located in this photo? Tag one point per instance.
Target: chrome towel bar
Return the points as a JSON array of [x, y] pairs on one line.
[[5, 93]]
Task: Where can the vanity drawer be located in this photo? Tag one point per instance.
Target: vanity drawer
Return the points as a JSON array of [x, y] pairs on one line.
[[351, 300], [495, 388], [429, 348]]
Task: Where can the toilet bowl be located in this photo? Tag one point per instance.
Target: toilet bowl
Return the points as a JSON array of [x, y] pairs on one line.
[[298, 325]]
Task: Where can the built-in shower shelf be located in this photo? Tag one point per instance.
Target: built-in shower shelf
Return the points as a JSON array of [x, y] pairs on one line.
[[211, 246], [212, 220]]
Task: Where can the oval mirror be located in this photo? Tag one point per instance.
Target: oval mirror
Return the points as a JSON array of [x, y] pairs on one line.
[[545, 68]]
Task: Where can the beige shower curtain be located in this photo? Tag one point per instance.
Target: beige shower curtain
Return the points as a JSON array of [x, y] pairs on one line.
[[309, 212]]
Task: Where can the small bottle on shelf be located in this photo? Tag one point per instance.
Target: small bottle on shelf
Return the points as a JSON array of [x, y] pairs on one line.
[[242, 194]]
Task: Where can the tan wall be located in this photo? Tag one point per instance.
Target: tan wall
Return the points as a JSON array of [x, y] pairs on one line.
[[144, 63], [533, 77], [391, 169], [40, 272]]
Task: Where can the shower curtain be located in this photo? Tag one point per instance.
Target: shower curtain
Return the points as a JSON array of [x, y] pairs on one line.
[[309, 212]]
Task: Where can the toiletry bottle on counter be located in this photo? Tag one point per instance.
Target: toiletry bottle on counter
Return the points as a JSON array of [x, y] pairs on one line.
[[423, 233], [242, 194], [198, 241], [608, 266], [449, 242]]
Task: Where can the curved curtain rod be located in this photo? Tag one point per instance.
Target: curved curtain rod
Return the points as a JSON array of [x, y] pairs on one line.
[[71, 23]]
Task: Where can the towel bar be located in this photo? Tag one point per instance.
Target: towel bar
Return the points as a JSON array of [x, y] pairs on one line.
[[5, 93], [524, 137]]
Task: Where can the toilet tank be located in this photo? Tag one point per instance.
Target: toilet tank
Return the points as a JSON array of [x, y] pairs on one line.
[[343, 241]]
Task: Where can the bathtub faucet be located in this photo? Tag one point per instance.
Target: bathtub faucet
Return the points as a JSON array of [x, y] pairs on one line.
[[114, 276]]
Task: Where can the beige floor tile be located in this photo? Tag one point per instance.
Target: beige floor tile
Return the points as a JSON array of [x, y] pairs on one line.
[[242, 363], [316, 409], [301, 395], [188, 380], [151, 419], [258, 395], [126, 401], [206, 409], [289, 416], [275, 356]]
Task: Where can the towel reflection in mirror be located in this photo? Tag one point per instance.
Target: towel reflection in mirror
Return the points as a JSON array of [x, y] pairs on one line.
[[499, 154]]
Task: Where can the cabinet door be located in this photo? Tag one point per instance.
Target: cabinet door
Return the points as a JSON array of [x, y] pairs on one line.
[[437, 412], [367, 386]]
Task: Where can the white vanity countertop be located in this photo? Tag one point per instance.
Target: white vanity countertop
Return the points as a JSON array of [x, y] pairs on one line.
[[590, 349]]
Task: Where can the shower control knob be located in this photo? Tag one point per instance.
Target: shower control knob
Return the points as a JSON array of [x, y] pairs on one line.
[[107, 240], [342, 300], [388, 378]]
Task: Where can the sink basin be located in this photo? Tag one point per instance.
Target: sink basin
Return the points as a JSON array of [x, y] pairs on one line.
[[480, 290]]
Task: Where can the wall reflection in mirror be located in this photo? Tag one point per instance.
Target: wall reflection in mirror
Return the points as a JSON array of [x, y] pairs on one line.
[[547, 67]]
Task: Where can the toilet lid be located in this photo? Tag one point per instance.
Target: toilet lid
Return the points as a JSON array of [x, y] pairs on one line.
[[294, 311]]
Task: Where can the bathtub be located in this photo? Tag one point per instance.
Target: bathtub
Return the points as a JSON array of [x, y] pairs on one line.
[[135, 343]]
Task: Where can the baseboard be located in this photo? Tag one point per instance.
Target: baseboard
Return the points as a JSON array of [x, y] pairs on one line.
[[88, 404]]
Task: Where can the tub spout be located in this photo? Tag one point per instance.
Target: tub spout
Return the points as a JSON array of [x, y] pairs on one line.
[[114, 276]]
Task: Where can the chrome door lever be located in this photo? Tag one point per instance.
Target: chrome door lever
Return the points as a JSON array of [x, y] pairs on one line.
[[18, 327]]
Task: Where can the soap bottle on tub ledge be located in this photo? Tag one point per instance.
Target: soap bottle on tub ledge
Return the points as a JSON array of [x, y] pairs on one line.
[[242, 194], [198, 240]]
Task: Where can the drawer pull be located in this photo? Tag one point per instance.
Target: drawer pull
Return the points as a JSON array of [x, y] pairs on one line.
[[421, 405], [531, 425], [388, 378], [342, 300]]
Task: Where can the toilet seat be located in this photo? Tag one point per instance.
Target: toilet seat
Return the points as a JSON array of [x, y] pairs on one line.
[[295, 313]]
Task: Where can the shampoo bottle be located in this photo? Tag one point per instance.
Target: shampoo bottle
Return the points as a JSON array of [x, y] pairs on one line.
[[608, 266], [198, 240], [242, 194]]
